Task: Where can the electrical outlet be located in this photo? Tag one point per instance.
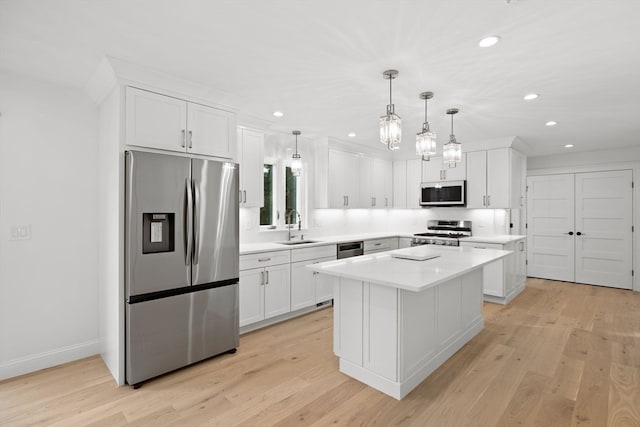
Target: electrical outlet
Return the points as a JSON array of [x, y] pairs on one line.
[[20, 232]]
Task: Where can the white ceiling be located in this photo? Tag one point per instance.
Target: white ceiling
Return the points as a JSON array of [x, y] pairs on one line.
[[321, 62]]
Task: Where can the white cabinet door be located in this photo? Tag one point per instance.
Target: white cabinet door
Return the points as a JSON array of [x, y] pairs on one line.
[[303, 286], [251, 168], [343, 179], [457, 172], [386, 171], [493, 274], [366, 180], [521, 262], [432, 169], [498, 178], [324, 284], [603, 220], [277, 291], [400, 184], [550, 219], [380, 183], [211, 132], [155, 121], [251, 296], [516, 198], [435, 170], [414, 179], [477, 179]]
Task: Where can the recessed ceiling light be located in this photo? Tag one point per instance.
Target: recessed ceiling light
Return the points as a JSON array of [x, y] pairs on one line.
[[278, 113], [489, 41], [568, 146], [530, 96], [352, 135], [551, 123]]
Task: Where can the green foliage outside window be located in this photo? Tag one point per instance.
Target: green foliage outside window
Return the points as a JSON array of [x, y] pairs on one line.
[[266, 212], [291, 183]]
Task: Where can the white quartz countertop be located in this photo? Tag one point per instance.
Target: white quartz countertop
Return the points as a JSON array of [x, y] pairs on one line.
[[250, 248], [383, 269], [499, 239]]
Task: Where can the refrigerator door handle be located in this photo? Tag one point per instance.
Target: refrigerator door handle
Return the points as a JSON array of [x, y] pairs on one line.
[[196, 222], [189, 224]]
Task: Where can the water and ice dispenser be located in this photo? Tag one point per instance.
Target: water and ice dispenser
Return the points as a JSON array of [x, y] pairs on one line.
[[158, 232]]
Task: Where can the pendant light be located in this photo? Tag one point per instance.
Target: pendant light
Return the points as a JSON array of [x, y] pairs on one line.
[[426, 140], [390, 131], [452, 150], [296, 159]]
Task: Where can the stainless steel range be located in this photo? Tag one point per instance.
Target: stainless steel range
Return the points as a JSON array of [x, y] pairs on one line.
[[441, 232]]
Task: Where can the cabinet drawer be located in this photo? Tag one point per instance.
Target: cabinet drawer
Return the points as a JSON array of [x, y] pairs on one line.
[[264, 259], [377, 245], [480, 245], [303, 254]]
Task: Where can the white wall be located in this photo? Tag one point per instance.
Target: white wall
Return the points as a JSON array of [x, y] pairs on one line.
[[48, 180]]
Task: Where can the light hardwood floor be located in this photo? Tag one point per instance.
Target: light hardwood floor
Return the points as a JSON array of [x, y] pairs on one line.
[[560, 354]]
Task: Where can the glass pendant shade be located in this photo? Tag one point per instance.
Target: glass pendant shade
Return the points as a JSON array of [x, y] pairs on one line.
[[391, 131], [426, 140], [296, 159], [426, 143], [390, 124], [452, 150], [296, 166]]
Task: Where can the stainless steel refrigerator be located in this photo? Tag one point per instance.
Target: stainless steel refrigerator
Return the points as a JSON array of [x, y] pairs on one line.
[[181, 262]]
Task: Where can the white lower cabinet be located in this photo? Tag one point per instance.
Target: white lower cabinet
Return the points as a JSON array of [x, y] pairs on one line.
[[504, 279], [307, 287], [380, 245], [265, 286]]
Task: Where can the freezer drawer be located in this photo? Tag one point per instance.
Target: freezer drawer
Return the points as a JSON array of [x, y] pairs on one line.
[[168, 333]]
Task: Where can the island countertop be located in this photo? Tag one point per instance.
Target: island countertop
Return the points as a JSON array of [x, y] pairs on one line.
[[384, 269]]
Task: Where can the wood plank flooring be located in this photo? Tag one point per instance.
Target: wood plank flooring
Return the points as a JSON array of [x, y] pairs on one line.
[[560, 354]]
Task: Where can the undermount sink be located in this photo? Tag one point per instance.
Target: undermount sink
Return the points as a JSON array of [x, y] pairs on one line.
[[297, 242]]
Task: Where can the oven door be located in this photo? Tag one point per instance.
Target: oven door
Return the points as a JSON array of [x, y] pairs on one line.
[[445, 193]]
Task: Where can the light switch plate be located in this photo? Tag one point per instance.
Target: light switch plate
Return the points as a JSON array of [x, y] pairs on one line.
[[20, 232]]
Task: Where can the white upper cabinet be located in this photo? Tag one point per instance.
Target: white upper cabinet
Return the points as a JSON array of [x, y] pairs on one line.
[[435, 170], [494, 179], [211, 132], [414, 179], [400, 184], [376, 176], [251, 153], [343, 179], [167, 123]]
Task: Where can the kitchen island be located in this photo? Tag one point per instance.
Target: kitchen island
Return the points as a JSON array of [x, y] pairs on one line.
[[399, 315]]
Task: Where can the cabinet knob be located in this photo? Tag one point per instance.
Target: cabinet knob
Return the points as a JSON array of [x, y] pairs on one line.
[[579, 234], [569, 233]]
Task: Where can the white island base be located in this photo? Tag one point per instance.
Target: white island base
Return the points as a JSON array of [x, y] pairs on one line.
[[392, 339]]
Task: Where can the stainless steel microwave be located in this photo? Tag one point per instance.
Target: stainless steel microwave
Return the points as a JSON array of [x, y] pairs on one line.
[[443, 193]]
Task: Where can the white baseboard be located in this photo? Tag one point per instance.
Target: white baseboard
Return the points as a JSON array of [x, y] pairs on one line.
[[47, 359]]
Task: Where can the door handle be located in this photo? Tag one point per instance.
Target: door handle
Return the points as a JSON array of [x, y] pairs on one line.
[[267, 282], [344, 200], [244, 199], [347, 200], [190, 139], [183, 139], [569, 233], [488, 200], [261, 278], [189, 224], [386, 202], [264, 259], [521, 246], [196, 221], [579, 234], [484, 200]]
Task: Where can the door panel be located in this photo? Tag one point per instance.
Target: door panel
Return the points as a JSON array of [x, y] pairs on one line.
[[169, 333], [277, 291], [215, 222], [302, 286], [251, 296], [211, 131], [550, 216], [154, 120], [155, 184], [604, 219]]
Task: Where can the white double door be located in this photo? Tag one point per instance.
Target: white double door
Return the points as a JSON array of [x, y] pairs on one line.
[[579, 228]]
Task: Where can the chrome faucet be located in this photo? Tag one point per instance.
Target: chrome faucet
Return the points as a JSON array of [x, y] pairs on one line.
[[289, 221]]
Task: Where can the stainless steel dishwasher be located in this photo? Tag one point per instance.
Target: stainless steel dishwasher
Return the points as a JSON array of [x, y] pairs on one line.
[[349, 249]]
